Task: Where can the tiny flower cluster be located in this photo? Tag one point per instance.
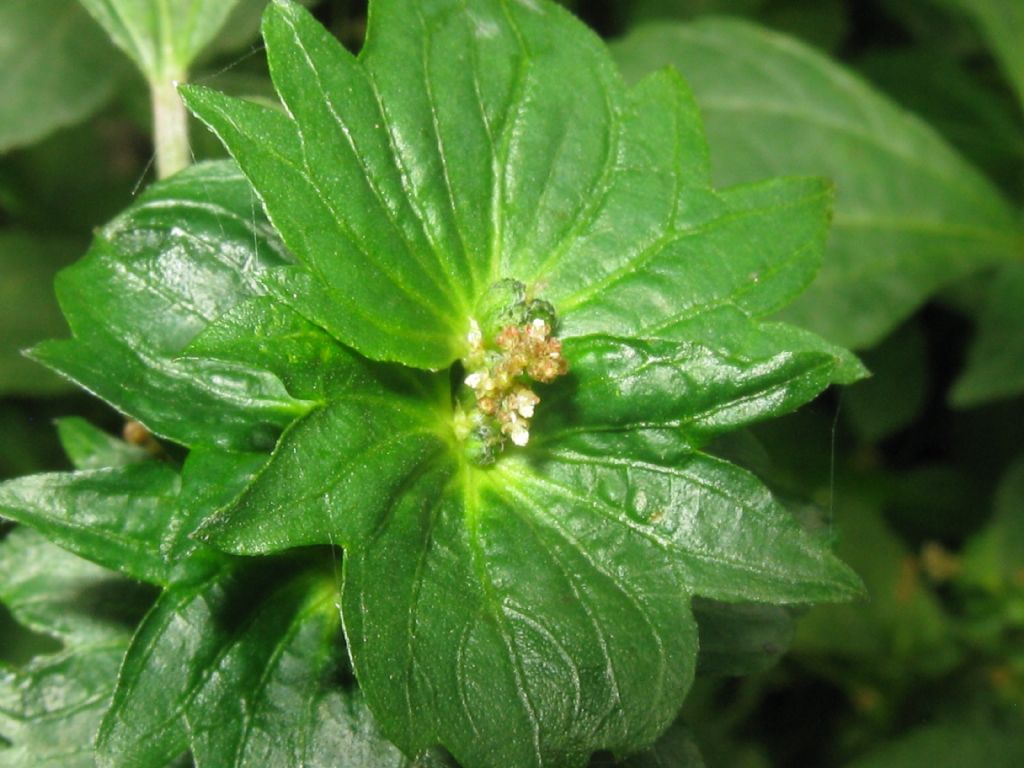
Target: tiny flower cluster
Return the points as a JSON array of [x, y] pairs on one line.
[[500, 384]]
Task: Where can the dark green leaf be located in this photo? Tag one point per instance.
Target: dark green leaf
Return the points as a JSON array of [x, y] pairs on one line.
[[893, 398], [675, 749], [294, 708], [995, 362], [50, 708], [1002, 23], [903, 626], [741, 639], [244, 681], [72, 181], [910, 216], [115, 517], [949, 745], [57, 68], [188, 250], [994, 557], [138, 518], [28, 312], [89, 447], [56, 593], [976, 117]]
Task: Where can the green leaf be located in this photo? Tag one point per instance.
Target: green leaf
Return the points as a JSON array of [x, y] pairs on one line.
[[507, 665], [533, 612], [893, 398], [756, 248], [742, 638], [675, 749], [187, 251], [634, 396], [972, 113], [450, 562], [162, 37], [50, 708], [424, 229], [244, 681], [911, 215], [995, 360], [115, 517], [994, 557], [58, 69], [949, 745], [56, 593], [28, 313], [136, 518], [70, 181], [902, 628], [91, 448], [1002, 23]]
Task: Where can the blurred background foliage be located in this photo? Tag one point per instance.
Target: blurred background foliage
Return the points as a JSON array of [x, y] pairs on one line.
[[914, 108]]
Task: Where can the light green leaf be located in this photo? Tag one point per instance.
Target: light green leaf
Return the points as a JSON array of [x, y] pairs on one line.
[[910, 216], [995, 361], [188, 250], [58, 68], [91, 448], [50, 710], [163, 37], [28, 312]]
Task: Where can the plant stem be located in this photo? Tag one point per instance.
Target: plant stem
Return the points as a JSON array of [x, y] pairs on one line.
[[170, 127]]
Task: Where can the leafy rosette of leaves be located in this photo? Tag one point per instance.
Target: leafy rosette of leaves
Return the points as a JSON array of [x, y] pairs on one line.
[[524, 606]]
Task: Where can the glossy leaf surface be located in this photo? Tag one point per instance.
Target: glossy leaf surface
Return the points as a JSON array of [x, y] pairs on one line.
[[597, 196], [188, 250], [114, 517]]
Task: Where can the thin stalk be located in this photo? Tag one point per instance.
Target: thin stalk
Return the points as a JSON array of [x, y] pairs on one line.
[[170, 127]]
